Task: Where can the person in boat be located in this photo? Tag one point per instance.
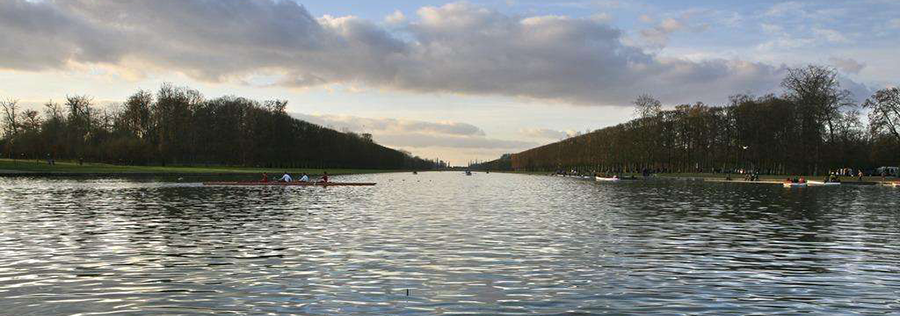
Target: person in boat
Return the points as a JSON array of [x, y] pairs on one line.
[[265, 178], [286, 178], [324, 178], [304, 178], [834, 178]]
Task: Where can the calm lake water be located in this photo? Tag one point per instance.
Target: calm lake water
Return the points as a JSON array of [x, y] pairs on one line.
[[489, 244]]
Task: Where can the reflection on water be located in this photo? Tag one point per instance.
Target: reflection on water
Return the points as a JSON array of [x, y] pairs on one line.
[[490, 244]]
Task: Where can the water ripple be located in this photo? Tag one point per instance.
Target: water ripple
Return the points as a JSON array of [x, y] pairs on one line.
[[447, 244]]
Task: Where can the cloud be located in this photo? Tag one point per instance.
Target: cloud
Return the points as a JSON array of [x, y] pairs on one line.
[[658, 36], [411, 134], [785, 8], [395, 18], [390, 125], [544, 133], [456, 48], [429, 141], [830, 35], [894, 23], [848, 65]]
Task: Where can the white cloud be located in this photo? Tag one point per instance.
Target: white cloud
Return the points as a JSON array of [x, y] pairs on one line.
[[645, 18], [391, 125], [772, 29], [848, 65], [395, 18], [785, 8], [429, 141], [456, 48], [544, 133], [829, 35], [401, 133], [894, 23]]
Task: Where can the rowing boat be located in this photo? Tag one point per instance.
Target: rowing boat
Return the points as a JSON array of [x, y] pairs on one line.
[[606, 179], [824, 183], [302, 184], [795, 184]]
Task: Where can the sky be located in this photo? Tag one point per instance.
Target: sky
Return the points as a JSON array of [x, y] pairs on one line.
[[459, 81]]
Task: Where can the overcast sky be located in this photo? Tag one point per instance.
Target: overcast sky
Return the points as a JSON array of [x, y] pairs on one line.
[[453, 80]]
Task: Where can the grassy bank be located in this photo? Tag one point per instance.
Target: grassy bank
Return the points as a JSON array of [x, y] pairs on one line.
[[723, 176], [8, 166]]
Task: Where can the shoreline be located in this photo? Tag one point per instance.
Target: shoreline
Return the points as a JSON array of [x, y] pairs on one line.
[[735, 178], [31, 168]]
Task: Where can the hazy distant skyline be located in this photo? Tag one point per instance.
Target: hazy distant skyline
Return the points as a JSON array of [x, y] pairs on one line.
[[452, 80]]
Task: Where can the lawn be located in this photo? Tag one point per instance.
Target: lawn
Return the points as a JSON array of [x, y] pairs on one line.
[[31, 166]]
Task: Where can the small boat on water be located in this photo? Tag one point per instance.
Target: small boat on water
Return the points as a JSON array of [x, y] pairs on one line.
[[468, 173], [275, 183], [795, 184], [823, 183], [606, 179], [895, 184]]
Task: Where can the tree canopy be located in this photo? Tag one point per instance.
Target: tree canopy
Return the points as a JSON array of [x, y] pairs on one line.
[[177, 125], [812, 128]]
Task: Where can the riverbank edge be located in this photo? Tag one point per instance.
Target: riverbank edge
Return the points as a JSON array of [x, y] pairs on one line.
[[721, 177], [13, 174], [11, 169]]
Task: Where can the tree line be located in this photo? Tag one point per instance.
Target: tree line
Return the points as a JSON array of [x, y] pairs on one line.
[[178, 126], [814, 127]]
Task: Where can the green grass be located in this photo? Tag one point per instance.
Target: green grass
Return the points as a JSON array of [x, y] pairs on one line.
[[723, 175], [31, 166]]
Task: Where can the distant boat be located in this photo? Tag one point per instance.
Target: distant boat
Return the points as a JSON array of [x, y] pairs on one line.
[[795, 184], [415, 172], [606, 179], [468, 173], [823, 183]]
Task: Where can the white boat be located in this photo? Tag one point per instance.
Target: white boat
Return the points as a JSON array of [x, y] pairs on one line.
[[795, 184], [891, 184], [816, 183], [606, 179]]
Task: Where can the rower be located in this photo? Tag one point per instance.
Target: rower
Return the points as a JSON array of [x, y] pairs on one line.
[[286, 178], [304, 178], [265, 178], [324, 177]]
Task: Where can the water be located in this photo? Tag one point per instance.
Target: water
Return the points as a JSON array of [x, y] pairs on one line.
[[489, 244]]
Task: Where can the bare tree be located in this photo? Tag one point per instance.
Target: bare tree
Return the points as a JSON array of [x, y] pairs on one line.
[[32, 120], [10, 117], [647, 106], [885, 114], [817, 90]]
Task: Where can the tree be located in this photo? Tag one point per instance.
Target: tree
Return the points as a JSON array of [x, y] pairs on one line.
[[885, 112], [10, 117], [10, 123], [647, 106], [817, 90]]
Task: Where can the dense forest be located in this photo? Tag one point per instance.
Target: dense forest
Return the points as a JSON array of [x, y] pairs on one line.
[[177, 126], [812, 128]]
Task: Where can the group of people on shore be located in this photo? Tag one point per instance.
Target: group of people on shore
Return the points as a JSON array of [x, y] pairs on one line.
[[303, 178]]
